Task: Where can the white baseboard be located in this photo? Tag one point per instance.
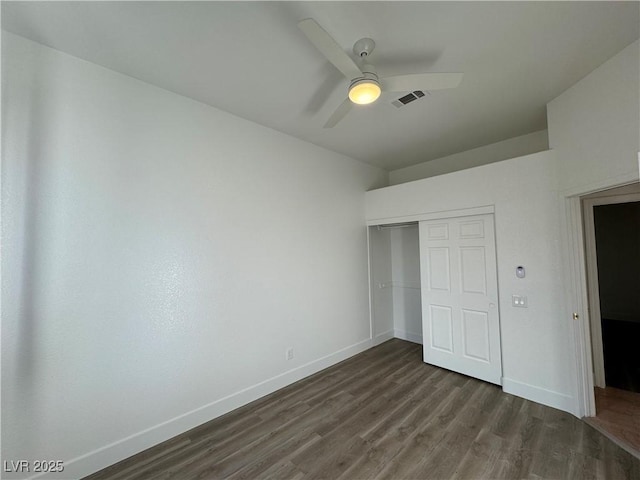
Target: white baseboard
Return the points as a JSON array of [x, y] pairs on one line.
[[408, 336], [109, 454], [383, 337], [546, 397]]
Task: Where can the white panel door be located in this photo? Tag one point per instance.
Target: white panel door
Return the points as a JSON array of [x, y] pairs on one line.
[[460, 320]]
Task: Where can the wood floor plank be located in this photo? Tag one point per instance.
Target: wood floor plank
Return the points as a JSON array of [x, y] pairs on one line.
[[590, 442], [482, 458], [138, 462], [419, 446], [404, 411], [582, 467], [385, 414], [264, 466], [388, 438]]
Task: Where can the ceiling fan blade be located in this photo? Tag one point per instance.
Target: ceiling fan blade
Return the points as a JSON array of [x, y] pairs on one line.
[[339, 114], [421, 81], [329, 48]]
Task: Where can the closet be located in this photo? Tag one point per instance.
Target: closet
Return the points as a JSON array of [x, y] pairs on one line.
[[395, 281], [434, 282]]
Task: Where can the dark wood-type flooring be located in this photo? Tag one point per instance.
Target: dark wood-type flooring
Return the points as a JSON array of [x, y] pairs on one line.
[[618, 413], [385, 414]]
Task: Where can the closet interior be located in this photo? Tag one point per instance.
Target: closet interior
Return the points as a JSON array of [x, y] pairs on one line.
[[394, 255]]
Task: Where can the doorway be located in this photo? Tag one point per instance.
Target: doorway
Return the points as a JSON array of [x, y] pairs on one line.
[[612, 251], [394, 260], [617, 232]]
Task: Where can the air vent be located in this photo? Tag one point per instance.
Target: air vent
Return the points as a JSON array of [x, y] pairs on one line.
[[408, 98]]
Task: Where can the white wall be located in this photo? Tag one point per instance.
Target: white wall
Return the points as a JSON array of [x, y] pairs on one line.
[[159, 256], [511, 148], [536, 361], [594, 126], [405, 264]]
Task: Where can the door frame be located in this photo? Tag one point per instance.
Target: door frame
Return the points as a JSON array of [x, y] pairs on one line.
[[593, 287], [576, 292]]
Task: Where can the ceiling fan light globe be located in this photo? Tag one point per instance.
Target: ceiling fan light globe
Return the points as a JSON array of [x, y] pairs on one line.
[[364, 92]]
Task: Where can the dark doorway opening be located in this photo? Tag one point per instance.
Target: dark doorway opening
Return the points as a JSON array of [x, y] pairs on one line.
[[617, 232]]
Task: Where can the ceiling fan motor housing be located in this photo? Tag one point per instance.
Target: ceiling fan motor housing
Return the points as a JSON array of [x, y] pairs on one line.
[[366, 78], [368, 73], [363, 47]]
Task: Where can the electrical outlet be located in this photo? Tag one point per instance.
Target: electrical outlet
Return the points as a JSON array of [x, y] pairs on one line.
[[289, 353], [519, 301]]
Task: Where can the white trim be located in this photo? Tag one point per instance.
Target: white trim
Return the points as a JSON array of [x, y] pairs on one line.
[[576, 301], [463, 212], [619, 181], [546, 397], [593, 294], [408, 336], [576, 290], [109, 454], [370, 277], [383, 337]]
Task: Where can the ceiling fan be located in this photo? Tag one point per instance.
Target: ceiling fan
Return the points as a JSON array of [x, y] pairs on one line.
[[365, 86]]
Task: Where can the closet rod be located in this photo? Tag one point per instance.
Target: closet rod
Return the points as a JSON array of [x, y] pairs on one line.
[[397, 225]]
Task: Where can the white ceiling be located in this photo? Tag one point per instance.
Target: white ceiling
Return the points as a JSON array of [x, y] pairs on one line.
[[250, 59]]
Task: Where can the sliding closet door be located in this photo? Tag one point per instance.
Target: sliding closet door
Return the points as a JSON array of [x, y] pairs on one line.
[[460, 322]]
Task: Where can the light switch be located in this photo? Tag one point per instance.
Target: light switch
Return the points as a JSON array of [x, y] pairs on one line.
[[519, 301]]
